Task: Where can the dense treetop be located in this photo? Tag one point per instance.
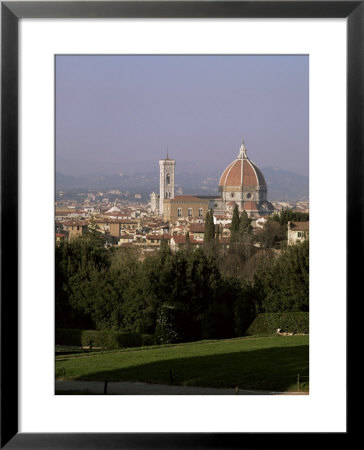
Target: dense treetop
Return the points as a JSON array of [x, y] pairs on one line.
[[194, 293]]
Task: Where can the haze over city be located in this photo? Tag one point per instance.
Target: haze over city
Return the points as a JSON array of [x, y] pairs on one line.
[[118, 114]]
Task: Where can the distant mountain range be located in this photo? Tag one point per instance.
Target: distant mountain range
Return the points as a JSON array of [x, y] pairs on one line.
[[282, 184], [285, 185]]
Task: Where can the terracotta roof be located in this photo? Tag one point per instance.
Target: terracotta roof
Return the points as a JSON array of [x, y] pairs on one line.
[[233, 176], [197, 228], [250, 206], [261, 179], [221, 217], [224, 174], [61, 212], [158, 237], [156, 224], [127, 236], [181, 239], [249, 176], [126, 221], [299, 226]]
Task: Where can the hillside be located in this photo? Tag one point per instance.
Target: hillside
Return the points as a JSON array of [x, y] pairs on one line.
[[282, 184]]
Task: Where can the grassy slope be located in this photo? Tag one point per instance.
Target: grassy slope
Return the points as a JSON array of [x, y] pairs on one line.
[[250, 363]]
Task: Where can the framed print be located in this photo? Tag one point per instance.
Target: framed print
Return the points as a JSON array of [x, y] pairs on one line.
[[49, 46]]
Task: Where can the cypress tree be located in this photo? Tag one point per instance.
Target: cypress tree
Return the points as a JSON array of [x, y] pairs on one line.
[[164, 245], [206, 234], [209, 227], [217, 234], [188, 242], [235, 222], [245, 226]]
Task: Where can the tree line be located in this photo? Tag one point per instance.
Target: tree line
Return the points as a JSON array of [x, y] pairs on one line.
[[191, 294]]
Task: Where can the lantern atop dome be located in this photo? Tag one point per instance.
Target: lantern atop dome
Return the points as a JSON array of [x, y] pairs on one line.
[[242, 153]]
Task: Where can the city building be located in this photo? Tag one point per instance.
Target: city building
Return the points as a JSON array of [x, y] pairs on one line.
[[185, 206], [297, 232], [75, 229]]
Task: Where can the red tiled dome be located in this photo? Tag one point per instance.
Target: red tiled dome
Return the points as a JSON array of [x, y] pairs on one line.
[[242, 172]]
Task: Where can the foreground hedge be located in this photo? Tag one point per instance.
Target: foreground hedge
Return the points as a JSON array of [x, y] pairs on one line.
[[104, 339], [290, 322]]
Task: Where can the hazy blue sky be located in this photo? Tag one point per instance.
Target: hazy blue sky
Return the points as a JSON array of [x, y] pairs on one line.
[[120, 113]]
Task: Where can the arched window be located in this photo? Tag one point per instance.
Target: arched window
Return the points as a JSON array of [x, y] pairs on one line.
[[189, 212], [179, 212], [168, 179]]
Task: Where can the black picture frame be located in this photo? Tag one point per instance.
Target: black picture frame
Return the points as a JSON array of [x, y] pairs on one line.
[[11, 12]]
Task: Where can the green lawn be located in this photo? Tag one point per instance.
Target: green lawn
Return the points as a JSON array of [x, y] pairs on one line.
[[250, 363]]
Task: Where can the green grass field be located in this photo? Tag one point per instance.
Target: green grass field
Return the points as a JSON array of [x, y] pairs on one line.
[[269, 363]]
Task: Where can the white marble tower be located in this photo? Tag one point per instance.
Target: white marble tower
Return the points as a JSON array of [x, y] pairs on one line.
[[166, 180]]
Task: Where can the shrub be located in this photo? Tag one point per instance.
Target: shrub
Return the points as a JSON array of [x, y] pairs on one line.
[[148, 339], [104, 339], [110, 339], [268, 323], [68, 337]]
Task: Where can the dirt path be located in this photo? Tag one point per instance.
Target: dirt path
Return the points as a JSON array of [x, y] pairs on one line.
[[136, 388]]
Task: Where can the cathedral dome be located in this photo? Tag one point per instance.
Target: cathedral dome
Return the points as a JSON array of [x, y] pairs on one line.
[[242, 183], [242, 172]]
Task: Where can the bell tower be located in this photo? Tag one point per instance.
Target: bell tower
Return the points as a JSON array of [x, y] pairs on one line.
[[166, 180]]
